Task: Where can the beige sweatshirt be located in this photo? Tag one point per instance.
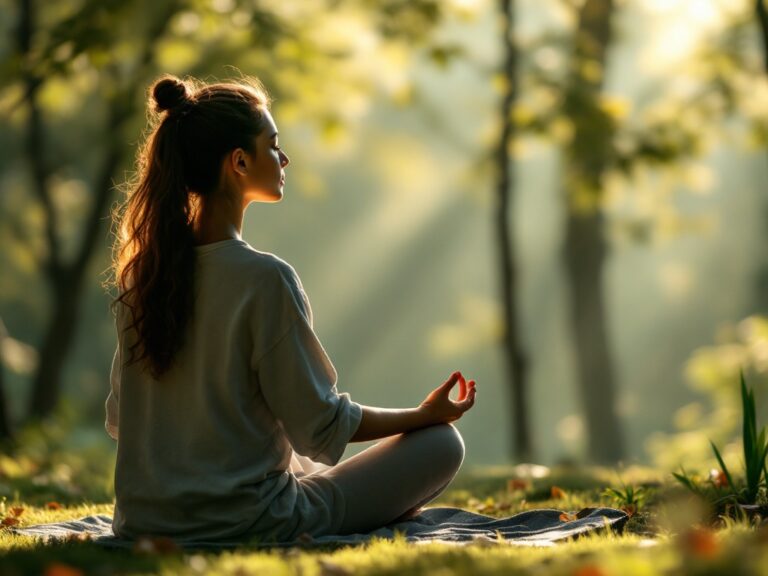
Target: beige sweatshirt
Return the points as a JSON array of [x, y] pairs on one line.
[[207, 452]]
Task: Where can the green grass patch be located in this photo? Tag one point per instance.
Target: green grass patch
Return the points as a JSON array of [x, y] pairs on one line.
[[667, 535]]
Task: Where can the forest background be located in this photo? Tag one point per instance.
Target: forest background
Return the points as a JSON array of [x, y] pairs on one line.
[[566, 200]]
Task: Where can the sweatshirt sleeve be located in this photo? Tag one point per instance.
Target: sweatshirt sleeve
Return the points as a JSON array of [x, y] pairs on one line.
[[298, 382]]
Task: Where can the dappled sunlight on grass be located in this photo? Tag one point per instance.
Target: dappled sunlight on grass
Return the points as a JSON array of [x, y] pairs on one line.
[[644, 548]]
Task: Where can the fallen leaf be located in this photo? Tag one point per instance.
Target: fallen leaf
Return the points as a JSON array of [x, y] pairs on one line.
[[53, 506], [515, 484], [557, 493], [700, 542], [155, 545], [9, 521], [589, 570], [568, 517], [16, 511], [79, 537], [630, 509], [57, 569]]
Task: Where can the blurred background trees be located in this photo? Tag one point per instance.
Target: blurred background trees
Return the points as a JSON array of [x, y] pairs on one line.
[[558, 198]]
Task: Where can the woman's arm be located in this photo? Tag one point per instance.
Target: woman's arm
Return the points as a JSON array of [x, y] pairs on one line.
[[436, 409]]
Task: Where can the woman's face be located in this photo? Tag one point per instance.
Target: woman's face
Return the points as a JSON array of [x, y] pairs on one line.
[[265, 175]]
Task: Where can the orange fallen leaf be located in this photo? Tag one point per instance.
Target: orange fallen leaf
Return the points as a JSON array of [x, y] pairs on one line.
[[53, 506], [630, 509], [79, 537], [514, 484], [155, 545], [700, 542], [589, 570], [16, 511], [568, 517], [9, 521], [57, 569], [557, 493]]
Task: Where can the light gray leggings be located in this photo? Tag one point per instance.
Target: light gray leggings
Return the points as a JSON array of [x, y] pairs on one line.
[[396, 476]]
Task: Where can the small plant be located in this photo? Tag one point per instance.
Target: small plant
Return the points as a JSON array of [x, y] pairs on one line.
[[723, 487], [628, 497]]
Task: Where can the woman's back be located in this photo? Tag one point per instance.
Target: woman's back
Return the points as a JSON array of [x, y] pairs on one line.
[[203, 452]]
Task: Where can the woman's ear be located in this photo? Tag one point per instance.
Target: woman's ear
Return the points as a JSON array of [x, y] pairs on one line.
[[238, 161]]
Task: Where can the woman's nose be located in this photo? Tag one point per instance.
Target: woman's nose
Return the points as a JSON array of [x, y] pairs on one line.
[[284, 160]]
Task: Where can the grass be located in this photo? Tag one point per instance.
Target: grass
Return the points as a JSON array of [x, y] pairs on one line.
[[667, 535]]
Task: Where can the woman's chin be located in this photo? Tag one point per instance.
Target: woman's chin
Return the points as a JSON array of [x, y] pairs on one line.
[[269, 198]]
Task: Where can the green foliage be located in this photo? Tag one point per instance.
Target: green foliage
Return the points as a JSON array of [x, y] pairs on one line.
[[628, 497], [724, 487], [717, 417], [755, 446], [55, 461]]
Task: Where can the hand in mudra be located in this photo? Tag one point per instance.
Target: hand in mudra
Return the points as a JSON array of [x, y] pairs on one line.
[[440, 408]]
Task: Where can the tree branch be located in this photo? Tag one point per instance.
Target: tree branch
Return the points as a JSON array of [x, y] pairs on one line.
[[35, 141], [121, 107]]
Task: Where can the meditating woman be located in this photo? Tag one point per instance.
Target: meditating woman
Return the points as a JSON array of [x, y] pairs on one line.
[[223, 401]]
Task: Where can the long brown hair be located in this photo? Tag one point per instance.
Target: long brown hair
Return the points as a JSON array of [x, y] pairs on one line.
[[192, 127]]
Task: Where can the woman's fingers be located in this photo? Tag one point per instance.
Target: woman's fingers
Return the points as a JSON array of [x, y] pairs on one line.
[[450, 383], [466, 404], [462, 388]]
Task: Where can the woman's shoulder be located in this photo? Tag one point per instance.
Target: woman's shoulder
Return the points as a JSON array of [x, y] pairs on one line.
[[238, 255], [265, 267], [272, 279]]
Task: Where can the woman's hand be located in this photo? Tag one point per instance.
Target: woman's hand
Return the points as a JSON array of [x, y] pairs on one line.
[[438, 406]]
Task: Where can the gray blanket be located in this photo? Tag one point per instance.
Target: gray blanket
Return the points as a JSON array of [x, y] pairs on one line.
[[449, 525]]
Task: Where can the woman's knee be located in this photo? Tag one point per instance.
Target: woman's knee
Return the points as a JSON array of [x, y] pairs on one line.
[[445, 445]]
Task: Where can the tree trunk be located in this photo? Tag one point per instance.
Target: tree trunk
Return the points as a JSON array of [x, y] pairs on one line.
[[585, 246], [66, 280], [57, 343], [585, 258], [514, 354]]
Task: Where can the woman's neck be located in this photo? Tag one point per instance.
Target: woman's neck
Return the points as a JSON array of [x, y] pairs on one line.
[[217, 220]]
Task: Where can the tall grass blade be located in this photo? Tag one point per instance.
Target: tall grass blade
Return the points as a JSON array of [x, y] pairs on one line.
[[754, 444], [723, 467]]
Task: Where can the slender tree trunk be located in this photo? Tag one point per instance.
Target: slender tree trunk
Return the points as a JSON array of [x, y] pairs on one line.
[[514, 354], [57, 342], [585, 260], [66, 280], [585, 245]]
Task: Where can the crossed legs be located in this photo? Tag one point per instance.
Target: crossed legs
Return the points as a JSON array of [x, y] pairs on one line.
[[396, 476]]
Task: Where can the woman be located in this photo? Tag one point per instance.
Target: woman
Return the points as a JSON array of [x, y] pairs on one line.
[[223, 401]]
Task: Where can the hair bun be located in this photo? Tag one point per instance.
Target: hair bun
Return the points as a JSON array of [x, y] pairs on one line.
[[169, 92]]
